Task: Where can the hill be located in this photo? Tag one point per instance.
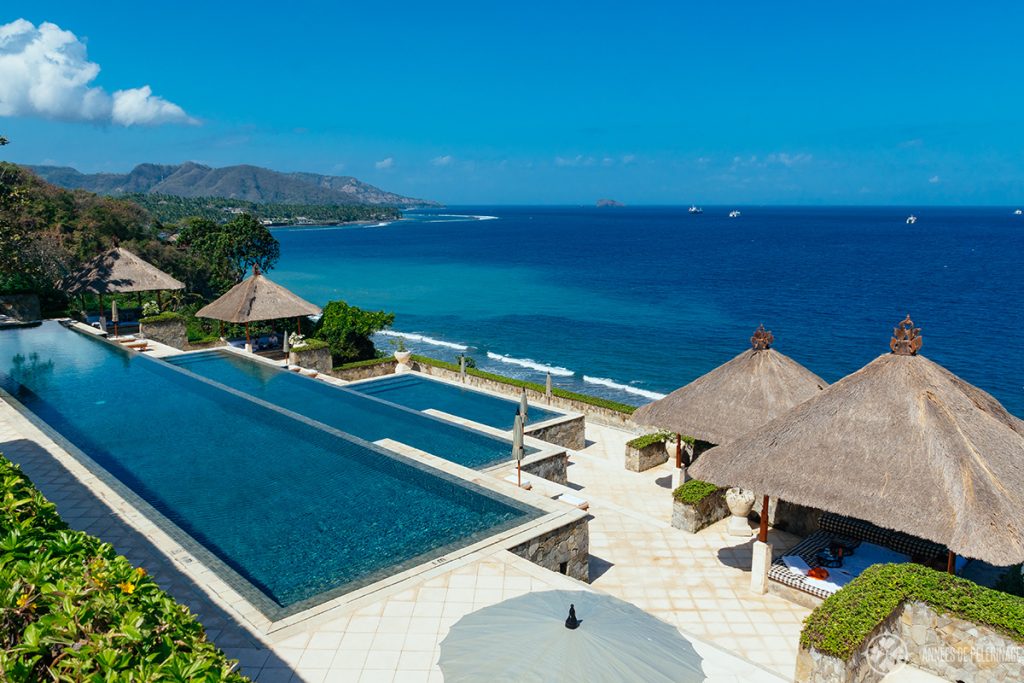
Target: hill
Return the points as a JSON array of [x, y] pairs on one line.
[[245, 183]]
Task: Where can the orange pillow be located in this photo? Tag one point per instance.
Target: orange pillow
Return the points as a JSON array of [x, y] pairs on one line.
[[818, 573]]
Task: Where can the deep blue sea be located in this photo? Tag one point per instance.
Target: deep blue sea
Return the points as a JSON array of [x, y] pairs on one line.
[[630, 303]]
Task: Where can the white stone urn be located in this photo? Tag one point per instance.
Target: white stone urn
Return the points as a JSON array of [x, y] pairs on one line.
[[403, 361], [740, 502]]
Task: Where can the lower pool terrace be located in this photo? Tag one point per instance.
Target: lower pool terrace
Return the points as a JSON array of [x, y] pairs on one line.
[[352, 412], [288, 512]]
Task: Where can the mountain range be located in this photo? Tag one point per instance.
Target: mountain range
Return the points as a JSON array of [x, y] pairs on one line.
[[249, 183]]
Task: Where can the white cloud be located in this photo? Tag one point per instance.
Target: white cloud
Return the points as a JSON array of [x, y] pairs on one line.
[[935, 180], [385, 164], [445, 160], [45, 72], [578, 160]]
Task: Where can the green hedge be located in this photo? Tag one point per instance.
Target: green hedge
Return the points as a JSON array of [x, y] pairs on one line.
[[694, 491], [658, 437], [841, 624], [308, 344], [164, 317], [365, 363], [72, 609], [555, 391]]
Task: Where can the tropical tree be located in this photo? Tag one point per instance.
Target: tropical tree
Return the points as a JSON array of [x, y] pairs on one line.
[[232, 248], [347, 330]]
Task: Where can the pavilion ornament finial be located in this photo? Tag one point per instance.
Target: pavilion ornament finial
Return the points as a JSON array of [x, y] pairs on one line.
[[906, 339], [762, 338]]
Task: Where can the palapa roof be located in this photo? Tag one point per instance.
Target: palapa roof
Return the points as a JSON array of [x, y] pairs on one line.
[[736, 397], [902, 443], [257, 298], [117, 271]]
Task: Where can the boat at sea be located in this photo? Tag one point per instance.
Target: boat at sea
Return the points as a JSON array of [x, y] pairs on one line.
[[734, 214], [695, 209], [911, 219], [1017, 212]]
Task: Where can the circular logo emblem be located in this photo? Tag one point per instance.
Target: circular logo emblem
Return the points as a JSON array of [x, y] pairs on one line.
[[886, 651]]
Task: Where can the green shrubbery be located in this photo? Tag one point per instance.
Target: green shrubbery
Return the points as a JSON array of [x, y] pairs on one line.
[[347, 330], [555, 391], [365, 363], [646, 440], [71, 609], [841, 624], [166, 316], [694, 491], [308, 344]]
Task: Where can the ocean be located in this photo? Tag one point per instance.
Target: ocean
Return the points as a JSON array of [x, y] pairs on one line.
[[630, 303]]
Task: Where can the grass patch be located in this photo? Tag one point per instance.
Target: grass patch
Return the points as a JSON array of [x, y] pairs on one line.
[[694, 491], [72, 609], [365, 363], [308, 344], [841, 624], [555, 391], [165, 317]]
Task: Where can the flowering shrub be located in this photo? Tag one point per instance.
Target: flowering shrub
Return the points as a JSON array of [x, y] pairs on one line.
[[72, 609]]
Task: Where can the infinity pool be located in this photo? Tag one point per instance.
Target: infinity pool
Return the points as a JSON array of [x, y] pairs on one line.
[[420, 393], [299, 512], [368, 418]]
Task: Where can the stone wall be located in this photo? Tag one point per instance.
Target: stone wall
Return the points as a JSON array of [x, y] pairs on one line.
[[24, 307], [170, 332], [385, 367], [569, 544], [568, 433], [942, 644], [693, 518], [553, 468], [594, 413], [315, 359], [643, 459]]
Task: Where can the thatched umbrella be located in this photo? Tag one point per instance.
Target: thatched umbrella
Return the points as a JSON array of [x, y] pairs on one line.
[[902, 443], [736, 397], [254, 299], [119, 271]]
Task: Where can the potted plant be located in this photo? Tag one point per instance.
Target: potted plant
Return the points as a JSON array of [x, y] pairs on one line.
[[402, 354]]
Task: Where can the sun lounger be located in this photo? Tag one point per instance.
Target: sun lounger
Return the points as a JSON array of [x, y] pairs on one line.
[[575, 501], [526, 484]]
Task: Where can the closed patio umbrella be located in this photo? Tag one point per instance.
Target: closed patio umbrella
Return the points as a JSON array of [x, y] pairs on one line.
[[524, 406], [113, 315], [567, 636], [517, 446]]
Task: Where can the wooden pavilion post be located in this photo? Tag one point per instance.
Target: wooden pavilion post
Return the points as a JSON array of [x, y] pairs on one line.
[[951, 562], [762, 534], [679, 451], [298, 324], [248, 343], [159, 300]]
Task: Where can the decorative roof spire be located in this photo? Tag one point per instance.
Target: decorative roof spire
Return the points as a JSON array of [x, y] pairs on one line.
[[762, 338], [906, 339]]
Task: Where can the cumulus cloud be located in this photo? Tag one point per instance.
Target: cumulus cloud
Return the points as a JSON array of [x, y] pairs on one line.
[[45, 72], [445, 160], [385, 164]]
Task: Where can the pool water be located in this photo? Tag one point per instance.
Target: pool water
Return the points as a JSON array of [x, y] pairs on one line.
[[420, 393], [354, 413], [300, 513]]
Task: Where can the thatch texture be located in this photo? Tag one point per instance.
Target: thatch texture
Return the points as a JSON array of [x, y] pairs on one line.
[[119, 271], [257, 298], [902, 443], [736, 397]]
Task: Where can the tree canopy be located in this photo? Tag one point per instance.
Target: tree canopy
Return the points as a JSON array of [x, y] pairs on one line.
[[231, 248], [347, 330]]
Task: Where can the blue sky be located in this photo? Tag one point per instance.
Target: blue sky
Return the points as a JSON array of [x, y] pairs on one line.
[[741, 102]]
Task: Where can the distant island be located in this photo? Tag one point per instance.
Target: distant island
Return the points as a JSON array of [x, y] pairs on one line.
[[242, 183], [608, 202]]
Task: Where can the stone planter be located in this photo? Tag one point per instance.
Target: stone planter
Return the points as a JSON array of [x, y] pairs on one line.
[[702, 514], [642, 459], [739, 501], [318, 359], [403, 361], [170, 332]]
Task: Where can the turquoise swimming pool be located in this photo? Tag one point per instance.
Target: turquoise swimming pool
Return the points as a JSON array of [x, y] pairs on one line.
[[299, 512], [421, 393], [354, 413]]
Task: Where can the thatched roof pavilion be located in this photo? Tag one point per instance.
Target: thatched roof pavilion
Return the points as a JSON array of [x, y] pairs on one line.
[[119, 271], [257, 298], [902, 443], [736, 397]]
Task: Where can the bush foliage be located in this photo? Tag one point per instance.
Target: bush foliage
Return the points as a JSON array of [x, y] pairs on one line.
[[841, 624], [71, 609], [694, 491], [347, 330]]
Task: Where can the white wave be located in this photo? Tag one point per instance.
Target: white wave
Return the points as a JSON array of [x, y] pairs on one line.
[[425, 339], [533, 365], [604, 382], [460, 218], [486, 218]]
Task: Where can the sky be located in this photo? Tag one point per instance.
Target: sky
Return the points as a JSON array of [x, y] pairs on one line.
[[536, 103]]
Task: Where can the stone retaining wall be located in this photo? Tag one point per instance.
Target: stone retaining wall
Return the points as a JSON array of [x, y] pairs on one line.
[[568, 433], [385, 367], [693, 518], [170, 332], [314, 359], [553, 468], [596, 414], [643, 459], [565, 549], [942, 644], [24, 307]]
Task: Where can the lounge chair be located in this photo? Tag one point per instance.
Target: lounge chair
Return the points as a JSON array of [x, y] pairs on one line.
[[575, 501]]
